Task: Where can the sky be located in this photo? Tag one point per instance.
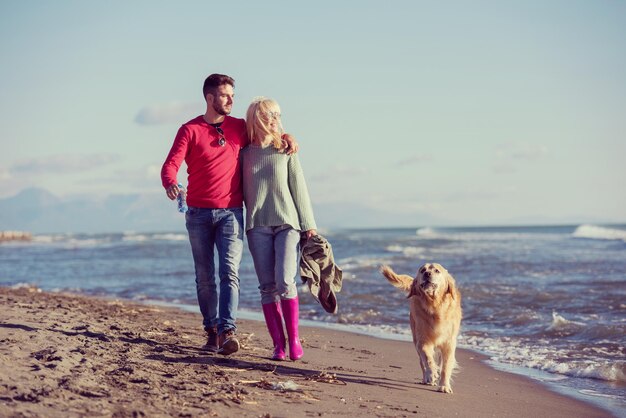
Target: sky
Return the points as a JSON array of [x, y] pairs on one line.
[[451, 112]]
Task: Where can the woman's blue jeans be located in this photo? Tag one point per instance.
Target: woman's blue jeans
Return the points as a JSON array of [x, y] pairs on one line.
[[275, 251], [221, 229]]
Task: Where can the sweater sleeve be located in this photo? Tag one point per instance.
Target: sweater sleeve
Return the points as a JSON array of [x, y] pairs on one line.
[[300, 194], [175, 158]]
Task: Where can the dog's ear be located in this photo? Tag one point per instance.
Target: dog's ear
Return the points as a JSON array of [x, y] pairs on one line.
[[451, 285]]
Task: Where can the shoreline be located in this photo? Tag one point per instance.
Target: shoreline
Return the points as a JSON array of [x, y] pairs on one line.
[[86, 355], [553, 382]]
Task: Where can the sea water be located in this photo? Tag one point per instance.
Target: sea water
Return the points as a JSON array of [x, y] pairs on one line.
[[546, 301]]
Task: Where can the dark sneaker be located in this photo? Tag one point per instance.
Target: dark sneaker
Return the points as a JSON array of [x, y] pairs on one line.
[[211, 343], [229, 344]]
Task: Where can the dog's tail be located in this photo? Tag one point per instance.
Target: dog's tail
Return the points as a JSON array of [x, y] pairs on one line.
[[401, 281]]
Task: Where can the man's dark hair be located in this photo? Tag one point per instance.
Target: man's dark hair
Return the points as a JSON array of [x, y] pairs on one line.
[[213, 81]]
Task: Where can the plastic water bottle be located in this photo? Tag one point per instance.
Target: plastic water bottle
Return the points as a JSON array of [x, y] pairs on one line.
[[182, 199]]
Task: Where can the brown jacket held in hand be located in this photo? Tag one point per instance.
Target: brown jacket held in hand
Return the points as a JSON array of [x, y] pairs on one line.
[[318, 270]]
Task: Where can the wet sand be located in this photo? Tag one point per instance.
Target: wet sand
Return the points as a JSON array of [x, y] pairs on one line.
[[65, 355]]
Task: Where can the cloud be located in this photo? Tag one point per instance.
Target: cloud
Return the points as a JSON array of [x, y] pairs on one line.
[[503, 168], [59, 164], [139, 179], [7, 188], [517, 151], [173, 112], [408, 205], [414, 159], [339, 172], [471, 195], [132, 177], [152, 171], [508, 155], [4, 173]]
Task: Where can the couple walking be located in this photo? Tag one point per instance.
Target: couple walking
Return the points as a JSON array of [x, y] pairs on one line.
[[231, 161]]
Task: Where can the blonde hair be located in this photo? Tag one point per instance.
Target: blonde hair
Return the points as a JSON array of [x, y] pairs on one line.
[[258, 118]]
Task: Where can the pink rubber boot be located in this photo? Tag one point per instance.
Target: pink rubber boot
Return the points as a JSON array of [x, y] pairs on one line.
[[291, 312], [274, 322]]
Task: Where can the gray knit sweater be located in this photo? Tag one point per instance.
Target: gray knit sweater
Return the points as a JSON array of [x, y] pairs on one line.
[[274, 189]]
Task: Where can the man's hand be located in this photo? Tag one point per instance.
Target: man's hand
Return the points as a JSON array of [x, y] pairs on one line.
[[292, 145], [172, 191]]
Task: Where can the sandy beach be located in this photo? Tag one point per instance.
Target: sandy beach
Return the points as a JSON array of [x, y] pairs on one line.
[[66, 355]]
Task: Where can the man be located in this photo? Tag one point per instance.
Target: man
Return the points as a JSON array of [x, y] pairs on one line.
[[210, 145]]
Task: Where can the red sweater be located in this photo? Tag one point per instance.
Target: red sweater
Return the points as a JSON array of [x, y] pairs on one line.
[[213, 171]]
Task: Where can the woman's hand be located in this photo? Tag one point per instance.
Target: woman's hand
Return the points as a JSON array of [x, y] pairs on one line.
[[311, 232]]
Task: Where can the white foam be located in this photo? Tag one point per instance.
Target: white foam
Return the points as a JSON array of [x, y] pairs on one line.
[[352, 263], [599, 232], [43, 238], [358, 317], [425, 232], [408, 251], [23, 285], [171, 237], [87, 242], [134, 237], [71, 241]]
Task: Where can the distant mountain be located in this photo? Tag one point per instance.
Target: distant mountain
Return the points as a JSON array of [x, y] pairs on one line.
[[39, 211], [350, 215], [27, 206]]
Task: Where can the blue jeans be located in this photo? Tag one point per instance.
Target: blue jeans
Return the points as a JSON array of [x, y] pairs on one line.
[[222, 229], [275, 251]]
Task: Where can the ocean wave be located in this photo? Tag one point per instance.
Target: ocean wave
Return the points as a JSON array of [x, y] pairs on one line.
[[45, 239], [560, 324], [540, 357], [525, 317], [599, 232], [611, 372], [615, 372], [71, 241]]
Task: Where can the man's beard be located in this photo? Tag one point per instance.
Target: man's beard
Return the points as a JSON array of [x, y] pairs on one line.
[[220, 110]]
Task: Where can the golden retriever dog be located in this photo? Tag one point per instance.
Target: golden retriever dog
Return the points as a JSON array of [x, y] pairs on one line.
[[435, 316]]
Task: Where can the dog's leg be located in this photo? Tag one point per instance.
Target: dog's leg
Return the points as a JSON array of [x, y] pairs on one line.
[[417, 347], [437, 366], [429, 368], [422, 365], [448, 363]]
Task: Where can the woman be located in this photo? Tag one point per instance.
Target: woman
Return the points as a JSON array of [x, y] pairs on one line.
[[278, 210]]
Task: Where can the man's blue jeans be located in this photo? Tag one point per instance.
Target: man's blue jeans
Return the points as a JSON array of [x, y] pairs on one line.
[[221, 229], [275, 251]]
